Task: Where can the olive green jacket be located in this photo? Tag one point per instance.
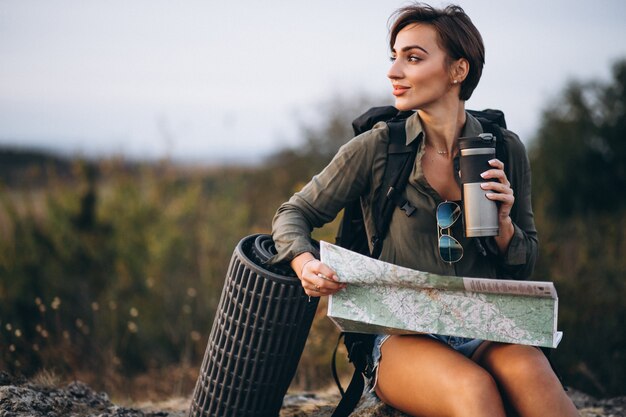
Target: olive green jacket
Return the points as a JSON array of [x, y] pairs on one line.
[[357, 171]]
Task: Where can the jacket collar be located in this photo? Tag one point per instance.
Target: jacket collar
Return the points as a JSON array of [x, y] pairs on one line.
[[413, 127]]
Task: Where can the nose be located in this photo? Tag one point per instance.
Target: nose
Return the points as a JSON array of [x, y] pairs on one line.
[[394, 71]]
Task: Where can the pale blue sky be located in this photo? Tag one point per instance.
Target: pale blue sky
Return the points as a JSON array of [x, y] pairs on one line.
[[205, 80]]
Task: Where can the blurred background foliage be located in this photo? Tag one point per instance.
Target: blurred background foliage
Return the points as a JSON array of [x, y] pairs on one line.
[[112, 270], [578, 160]]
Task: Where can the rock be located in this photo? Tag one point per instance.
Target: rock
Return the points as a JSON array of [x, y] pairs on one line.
[[20, 398], [323, 404]]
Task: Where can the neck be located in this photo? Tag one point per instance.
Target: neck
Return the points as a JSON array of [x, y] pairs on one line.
[[443, 126]]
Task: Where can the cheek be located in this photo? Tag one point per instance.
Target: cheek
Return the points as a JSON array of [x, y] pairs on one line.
[[430, 74]]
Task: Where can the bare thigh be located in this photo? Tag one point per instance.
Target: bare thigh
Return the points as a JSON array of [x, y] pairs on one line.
[[526, 379], [423, 377]]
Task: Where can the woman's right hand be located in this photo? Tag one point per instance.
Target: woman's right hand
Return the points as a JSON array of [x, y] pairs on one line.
[[316, 278]]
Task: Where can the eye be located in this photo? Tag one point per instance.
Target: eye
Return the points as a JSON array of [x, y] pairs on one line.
[[414, 58], [392, 59]]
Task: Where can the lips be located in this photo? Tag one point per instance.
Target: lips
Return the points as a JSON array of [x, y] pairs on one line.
[[398, 90]]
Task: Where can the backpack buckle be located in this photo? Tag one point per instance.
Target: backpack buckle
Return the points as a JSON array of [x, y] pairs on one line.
[[407, 208], [402, 204]]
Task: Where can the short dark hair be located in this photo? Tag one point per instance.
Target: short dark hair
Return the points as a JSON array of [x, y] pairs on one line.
[[456, 33]]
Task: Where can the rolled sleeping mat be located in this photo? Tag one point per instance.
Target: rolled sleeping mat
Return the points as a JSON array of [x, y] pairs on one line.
[[260, 328]]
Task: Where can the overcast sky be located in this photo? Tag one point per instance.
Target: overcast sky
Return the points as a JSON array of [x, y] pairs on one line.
[[207, 80]]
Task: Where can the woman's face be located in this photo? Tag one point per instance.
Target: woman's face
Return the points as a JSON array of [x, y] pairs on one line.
[[419, 71]]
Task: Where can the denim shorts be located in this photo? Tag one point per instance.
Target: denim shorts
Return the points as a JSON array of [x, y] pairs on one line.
[[465, 346]]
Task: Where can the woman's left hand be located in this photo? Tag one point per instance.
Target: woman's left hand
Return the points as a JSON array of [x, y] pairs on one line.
[[501, 192]]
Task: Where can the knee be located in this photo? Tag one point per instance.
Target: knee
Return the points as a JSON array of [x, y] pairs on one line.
[[475, 390], [522, 363]]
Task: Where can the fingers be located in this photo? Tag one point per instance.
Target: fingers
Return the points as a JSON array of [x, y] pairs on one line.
[[319, 279], [497, 173], [496, 163], [497, 187], [504, 196], [502, 184], [501, 190]]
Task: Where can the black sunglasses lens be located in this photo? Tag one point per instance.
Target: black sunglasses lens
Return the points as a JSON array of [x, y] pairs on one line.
[[450, 249], [447, 213]]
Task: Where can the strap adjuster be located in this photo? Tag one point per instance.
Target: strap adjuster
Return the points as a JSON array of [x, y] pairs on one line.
[[402, 204], [408, 208]]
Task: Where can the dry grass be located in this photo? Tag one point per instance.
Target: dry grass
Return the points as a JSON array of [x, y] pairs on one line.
[[157, 386], [46, 378]]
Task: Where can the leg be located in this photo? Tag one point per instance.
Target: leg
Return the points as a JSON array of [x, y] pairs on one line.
[[423, 377], [526, 379]]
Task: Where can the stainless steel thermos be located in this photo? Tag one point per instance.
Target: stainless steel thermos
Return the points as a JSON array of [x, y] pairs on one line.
[[480, 214]]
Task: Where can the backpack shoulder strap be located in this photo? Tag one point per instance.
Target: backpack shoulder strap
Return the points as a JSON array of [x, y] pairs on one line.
[[398, 167], [351, 233]]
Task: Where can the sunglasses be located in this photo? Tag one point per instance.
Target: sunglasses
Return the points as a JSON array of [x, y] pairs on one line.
[[450, 250]]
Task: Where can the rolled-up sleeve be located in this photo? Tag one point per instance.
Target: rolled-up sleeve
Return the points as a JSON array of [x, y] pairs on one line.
[[345, 178], [518, 262]]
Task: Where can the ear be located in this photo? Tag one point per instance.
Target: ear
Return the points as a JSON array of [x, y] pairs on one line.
[[459, 70]]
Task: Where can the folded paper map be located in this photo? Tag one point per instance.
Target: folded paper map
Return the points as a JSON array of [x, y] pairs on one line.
[[389, 299]]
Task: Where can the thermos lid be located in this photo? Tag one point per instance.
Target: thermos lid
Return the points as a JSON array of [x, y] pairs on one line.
[[483, 140]]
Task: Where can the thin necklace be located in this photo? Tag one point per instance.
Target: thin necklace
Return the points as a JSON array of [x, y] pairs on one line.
[[436, 150]]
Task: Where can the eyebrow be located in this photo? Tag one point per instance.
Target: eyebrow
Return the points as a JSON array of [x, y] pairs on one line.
[[409, 47]]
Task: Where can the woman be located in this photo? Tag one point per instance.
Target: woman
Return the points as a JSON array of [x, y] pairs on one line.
[[437, 60]]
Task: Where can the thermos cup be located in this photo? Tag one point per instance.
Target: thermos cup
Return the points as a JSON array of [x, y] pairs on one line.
[[480, 214]]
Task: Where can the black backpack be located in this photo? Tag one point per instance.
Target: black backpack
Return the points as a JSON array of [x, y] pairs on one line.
[[352, 235]]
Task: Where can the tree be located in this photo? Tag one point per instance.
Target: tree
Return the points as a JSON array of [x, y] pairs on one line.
[[580, 150], [579, 176]]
